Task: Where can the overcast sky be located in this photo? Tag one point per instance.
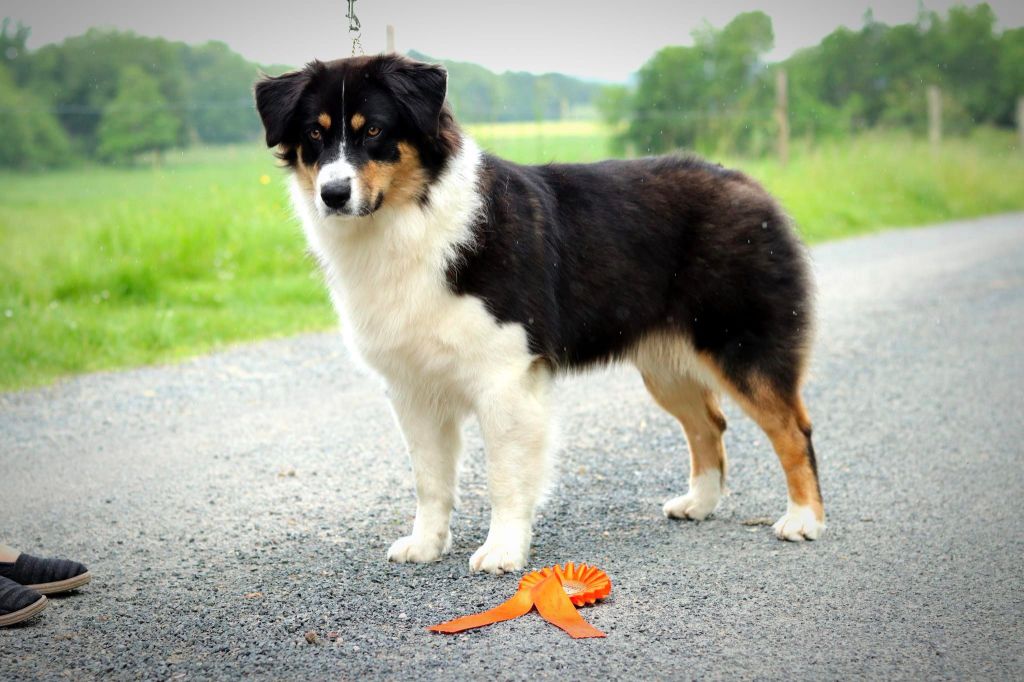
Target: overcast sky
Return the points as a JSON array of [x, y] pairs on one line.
[[597, 39]]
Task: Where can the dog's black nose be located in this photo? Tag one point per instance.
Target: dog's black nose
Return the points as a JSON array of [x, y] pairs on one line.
[[335, 194]]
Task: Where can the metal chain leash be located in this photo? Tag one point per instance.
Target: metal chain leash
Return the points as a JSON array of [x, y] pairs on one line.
[[354, 27]]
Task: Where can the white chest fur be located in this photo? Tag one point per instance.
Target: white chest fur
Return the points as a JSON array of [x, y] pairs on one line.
[[387, 277]]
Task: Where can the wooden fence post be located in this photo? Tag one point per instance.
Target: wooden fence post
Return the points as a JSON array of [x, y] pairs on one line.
[[1020, 121], [934, 116], [782, 114], [391, 38]]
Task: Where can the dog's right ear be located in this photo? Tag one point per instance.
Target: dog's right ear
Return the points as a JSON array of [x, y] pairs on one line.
[[276, 100]]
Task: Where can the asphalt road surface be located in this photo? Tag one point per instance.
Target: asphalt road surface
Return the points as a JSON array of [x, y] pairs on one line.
[[230, 504]]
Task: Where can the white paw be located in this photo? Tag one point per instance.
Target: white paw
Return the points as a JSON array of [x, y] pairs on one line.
[[690, 506], [799, 523], [705, 492], [499, 557], [419, 549]]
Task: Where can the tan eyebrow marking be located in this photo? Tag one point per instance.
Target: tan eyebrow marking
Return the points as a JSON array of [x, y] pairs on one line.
[[358, 121], [324, 119]]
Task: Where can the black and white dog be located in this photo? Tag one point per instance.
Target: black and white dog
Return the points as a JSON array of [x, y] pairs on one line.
[[468, 282]]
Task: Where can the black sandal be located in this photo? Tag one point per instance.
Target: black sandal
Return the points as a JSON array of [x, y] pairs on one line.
[[45, 576], [18, 603]]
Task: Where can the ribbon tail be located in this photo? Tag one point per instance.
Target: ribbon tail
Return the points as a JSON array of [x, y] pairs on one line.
[[554, 606], [519, 605]]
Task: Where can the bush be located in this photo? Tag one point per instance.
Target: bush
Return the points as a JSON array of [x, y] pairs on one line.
[[30, 136], [137, 120]]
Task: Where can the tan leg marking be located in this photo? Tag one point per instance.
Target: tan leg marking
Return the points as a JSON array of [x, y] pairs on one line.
[[697, 410], [784, 420]]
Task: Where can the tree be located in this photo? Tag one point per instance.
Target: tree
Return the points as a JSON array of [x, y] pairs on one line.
[[137, 120], [80, 76], [30, 136], [477, 94], [220, 94], [12, 41], [968, 53], [878, 75], [613, 103], [1011, 75], [669, 91], [713, 94]]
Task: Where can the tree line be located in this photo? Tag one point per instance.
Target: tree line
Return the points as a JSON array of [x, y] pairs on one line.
[[477, 94], [111, 95], [718, 95]]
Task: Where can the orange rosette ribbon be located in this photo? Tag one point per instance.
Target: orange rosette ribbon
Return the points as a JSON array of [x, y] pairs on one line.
[[555, 592]]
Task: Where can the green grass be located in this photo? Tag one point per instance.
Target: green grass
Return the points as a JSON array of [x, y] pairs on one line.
[[103, 268], [544, 141], [889, 180]]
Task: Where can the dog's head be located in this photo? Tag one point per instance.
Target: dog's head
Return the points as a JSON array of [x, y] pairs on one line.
[[360, 133]]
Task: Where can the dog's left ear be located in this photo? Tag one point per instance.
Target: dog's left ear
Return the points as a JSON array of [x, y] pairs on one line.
[[420, 90]]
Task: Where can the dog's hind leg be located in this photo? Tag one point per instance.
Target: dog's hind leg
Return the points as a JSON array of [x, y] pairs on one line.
[[779, 410], [696, 408], [515, 423]]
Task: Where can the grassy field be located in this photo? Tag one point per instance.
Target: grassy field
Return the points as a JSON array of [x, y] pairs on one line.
[[104, 268], [570, 141], [889, 180]]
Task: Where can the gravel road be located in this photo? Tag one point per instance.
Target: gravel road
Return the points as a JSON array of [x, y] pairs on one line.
[[230, 504]]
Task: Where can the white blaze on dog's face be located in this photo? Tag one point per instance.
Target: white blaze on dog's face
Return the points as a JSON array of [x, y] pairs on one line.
[[358, 133]]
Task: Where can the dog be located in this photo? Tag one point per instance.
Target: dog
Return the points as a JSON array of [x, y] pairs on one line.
[[468, 283]]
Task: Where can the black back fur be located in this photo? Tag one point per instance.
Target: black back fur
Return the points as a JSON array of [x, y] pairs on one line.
[[590, 258]]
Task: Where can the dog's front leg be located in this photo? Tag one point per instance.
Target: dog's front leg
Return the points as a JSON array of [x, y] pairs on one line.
[[433, 435], [515, 423]]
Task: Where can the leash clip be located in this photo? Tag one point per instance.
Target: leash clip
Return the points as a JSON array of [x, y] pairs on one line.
[[356, 27]]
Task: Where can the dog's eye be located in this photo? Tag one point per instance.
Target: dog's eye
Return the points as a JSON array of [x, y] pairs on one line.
[[314, 134], [373, 131]]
